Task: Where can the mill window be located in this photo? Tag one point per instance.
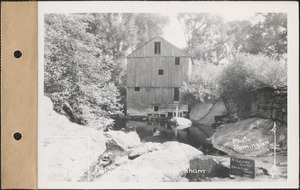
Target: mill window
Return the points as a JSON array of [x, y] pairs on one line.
[[160, 72], [176, 94], [156, 47], [155, 108], [137, 89], [177, 60]]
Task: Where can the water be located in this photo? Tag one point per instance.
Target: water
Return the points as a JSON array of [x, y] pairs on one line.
[[167, 133], [145, 130]]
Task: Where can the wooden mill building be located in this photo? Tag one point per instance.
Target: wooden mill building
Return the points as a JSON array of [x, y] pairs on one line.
[[155, 72]]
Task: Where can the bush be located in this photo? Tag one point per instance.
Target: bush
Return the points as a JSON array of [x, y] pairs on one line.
[[204, 83], [245, 74], [79, 76], [248, 73]]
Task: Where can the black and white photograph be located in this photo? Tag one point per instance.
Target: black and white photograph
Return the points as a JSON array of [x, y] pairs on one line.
[[165, 95]]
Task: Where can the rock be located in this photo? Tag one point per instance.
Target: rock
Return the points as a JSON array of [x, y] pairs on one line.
[[254, 108], [217, 110], [124, 140], [200, 110], [274, 114], [251, 137], [181, 123], [235, 116], [268, 114], [202, 169], [285, 118], [205, 112], [69, 149], [199, 135], [143, 149], [169, 163], [222, 118]]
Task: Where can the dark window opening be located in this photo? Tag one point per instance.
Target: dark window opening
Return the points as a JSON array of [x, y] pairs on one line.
[[156, 47], [155, 108], [160, 72], [177, 60], [176, 94], [137, 89]]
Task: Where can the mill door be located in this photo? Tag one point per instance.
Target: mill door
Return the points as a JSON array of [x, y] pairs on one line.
[[176, 94]]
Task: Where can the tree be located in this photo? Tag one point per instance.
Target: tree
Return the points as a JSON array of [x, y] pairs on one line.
[[85, 62], [206, 36], [117, 34], [238, 32], [149, 25], [275, 34], [267, 36], [77, 72]]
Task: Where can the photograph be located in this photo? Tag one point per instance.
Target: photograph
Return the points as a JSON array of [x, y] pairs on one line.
[[187, 97]]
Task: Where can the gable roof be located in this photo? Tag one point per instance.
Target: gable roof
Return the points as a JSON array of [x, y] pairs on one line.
[[146, 50]]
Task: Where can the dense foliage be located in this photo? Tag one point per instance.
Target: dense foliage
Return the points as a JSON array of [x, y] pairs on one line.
[[234, 58], [206, 36], [85, 61], [267, 36], [248, 73], [203, 85], [85, 65], [213, 40], [244, 74]]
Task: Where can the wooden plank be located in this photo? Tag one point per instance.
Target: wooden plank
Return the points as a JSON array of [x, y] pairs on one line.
[[145, 109], [144, 72], [167, 49], [171, 68], [133, 67], [129, 72], [156, 77], [148, 71]]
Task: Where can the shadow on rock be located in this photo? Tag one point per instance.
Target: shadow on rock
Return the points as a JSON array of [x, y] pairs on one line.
[[202, 170]]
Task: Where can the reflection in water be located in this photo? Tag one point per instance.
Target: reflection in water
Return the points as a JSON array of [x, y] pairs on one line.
[[146, 129], [165, 131]]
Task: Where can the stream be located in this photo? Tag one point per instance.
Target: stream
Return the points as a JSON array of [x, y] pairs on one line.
[[166, 133]]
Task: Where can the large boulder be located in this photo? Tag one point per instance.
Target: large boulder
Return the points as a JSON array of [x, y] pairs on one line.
[[124, 140], [200, 110], [181, 122], [144, 148], [169, 163], [205, 112], [118, 145], [252, 137], [68, 149], [199, 135], [209, 167]]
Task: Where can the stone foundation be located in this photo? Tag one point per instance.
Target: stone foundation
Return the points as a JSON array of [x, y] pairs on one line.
[[265, 103]]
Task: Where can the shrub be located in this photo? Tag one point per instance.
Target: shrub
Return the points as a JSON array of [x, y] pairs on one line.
[[79, 75], [204, 83], [245, 74], [248, 73]]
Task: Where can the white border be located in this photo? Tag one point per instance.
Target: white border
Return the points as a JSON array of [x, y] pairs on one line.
[[293, 79]]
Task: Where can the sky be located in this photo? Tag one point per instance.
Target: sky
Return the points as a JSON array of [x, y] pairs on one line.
[[174, 32]]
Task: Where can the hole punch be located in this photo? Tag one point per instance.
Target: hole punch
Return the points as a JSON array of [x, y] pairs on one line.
[[17, 136], [18, 54]]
